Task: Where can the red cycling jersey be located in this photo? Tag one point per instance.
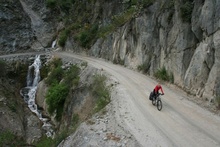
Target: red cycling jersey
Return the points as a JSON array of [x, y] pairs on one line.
[[157, 88]]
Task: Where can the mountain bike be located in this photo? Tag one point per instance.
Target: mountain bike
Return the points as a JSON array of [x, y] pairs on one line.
[[157, 101]]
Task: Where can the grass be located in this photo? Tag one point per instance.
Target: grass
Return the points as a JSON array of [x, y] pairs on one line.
[[7, 138]]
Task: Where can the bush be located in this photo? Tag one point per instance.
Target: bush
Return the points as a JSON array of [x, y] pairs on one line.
[[55, 76], [55, 99], [63, 37], [72, 76], [88, 35], [162, 74], [100, 92]]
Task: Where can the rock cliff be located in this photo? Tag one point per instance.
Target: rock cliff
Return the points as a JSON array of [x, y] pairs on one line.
[[182, 36]]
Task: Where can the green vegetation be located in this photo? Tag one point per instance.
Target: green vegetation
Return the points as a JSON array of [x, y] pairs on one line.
[[186, 10], [63, 37], [100, 92], [71, 76], [9, 139], [117, 21], [56, 73], [84, 29], [162, 74], [45, 141], [55, 99], [49, 142], [60, 81], [87, 35], [144, 67]]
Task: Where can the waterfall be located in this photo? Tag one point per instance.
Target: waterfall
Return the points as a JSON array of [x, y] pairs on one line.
[[54, 44], [29, 93]]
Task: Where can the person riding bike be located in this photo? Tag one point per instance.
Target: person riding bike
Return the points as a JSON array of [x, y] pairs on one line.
[[156, 90]]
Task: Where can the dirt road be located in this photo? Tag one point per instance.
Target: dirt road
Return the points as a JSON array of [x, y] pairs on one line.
[[180, 123]]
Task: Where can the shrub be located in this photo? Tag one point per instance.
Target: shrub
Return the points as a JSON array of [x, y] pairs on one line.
[[88, 35], [162, 74], [55, 76], [100, 91], [72, 76], [63, 37], [55, 99]]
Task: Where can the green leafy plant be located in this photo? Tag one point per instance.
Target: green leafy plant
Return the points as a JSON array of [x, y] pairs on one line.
[[55, 98]]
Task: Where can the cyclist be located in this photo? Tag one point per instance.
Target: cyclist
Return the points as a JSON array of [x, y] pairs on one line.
[[156, 90]]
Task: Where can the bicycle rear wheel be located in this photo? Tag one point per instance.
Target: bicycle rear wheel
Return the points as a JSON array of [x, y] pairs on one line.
[[159, 105]]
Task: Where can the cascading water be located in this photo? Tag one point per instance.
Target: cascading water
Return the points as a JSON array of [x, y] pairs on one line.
[[29, 92]]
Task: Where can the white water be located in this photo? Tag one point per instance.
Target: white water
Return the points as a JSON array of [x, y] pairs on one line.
[[54, 44], [29, 93]]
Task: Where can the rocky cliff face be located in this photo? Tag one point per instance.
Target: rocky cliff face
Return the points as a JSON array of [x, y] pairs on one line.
[[25, 25], [160, 36], [182, 36]]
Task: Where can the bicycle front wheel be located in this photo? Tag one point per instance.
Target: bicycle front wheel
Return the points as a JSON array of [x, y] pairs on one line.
[[159, 105]]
